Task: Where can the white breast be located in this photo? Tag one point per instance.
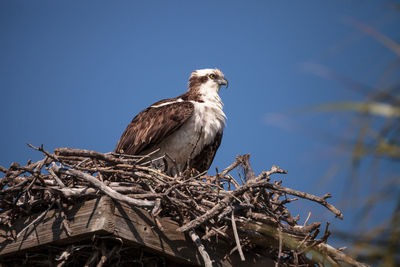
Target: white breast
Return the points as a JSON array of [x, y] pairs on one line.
[[207, 120]]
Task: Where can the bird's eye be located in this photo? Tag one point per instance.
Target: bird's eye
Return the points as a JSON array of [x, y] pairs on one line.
[[212, 76]]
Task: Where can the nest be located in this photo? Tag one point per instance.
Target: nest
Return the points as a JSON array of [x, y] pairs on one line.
[[248, 212]]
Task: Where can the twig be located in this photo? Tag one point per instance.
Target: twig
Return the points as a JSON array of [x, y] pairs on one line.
[[157, 207], [235, 233], [221, 205], [320, 200], [90, 154], [148, 156], [230, 167], [157, 172], [308, 217], [3, 170], [41, 216], [102, 187], [200, 247], [58, 180], [65, 219], [280, 246], [274, 169]]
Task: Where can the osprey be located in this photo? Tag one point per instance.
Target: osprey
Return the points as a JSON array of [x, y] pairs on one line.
[[185, 131]]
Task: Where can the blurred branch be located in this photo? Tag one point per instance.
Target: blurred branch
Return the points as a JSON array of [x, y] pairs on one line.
[[374, 135], [380, 37], [325, 72], [373, 108]]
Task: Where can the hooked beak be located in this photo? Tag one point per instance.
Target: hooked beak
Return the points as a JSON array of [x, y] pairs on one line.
[[223, 81]]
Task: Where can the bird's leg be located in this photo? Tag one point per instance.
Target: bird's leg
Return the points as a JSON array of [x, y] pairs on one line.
[[175, 170]]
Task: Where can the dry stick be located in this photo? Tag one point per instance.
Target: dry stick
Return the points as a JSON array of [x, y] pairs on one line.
[[266, 174], [186, 182], [105, 189], [103, 257], [81, 162], [217, 208], [35, 220], [302, 230], [106, 256], [65, 219], [152, 161], [306, 238], [13, 172], [51, 157], [41, 149], [216, 231], [15, 188], [145, 156], [157, 207], [233, 181], [228, 210], [308, 217], [206, 216], [293, 242], [226, 201], [160, 174], [3, 170], [92, 258], [202, 250], [230, 167], [337, 255], [280, 246], [90, 154], [250, 184], [247, 170], [235, 233], [124, 155], [320, 200], [75, 192], [58, 180]]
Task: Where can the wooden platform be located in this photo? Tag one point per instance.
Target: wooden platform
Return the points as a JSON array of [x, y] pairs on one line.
[[134, 226]]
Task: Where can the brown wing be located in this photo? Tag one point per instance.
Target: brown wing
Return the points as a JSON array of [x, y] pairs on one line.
[[152, 125], [203, 160]]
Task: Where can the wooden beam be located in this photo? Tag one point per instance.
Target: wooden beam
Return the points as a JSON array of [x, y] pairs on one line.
[[85, 219], [135, 226], [138, 226]]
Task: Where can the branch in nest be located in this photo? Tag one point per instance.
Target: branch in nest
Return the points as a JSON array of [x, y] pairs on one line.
[[320, 200], [103, 188], [200, 247]]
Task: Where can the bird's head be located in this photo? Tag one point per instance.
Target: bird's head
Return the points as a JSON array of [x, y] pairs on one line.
[[207, 81]]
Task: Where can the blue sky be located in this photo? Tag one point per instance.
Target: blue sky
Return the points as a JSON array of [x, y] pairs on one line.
[[74, 73]]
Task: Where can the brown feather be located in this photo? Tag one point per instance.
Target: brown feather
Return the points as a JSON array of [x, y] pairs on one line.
[[153, 125], [202, 161]]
